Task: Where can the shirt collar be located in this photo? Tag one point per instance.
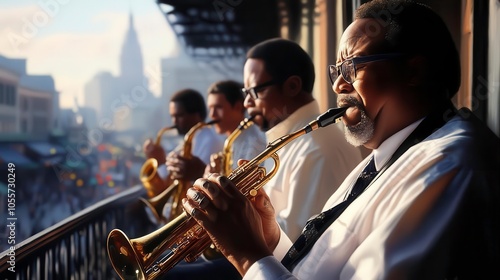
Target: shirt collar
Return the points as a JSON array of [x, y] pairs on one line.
[[297, 120], [383, 153]]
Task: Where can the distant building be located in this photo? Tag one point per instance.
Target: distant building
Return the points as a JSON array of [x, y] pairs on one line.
[[182, 71], [29, 104], [99, 93], [73, 126], [123, 104]]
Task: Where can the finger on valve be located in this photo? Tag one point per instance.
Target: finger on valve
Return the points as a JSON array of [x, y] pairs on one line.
[[198, 198]]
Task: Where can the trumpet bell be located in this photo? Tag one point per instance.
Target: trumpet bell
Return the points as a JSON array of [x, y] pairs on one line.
[[183, 237], [122, 254]]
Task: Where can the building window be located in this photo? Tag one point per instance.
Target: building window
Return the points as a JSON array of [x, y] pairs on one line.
[[25, 104], [24, 125], [7, 94], [2, 93], [11, 95]]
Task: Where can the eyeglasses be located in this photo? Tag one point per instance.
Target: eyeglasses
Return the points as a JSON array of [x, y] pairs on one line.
[[254, 90], [347, 68]]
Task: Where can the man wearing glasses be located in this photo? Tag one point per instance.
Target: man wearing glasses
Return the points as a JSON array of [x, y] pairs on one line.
[[279, 78], [424, 205], [225, 105]]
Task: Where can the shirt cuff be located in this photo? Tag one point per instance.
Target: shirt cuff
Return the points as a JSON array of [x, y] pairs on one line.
[[283, 246], [267, 268]]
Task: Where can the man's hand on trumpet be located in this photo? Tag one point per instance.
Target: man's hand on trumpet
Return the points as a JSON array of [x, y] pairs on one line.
[[244, 230]]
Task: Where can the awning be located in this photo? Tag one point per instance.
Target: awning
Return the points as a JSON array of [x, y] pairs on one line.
[[46, 153], [45, 149], [9, 155]]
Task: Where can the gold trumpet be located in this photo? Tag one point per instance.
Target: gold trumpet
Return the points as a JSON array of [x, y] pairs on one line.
[[178, 188], [148, 175], [183, 237]]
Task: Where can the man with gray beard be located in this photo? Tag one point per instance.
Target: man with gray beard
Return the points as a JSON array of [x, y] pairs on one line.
[[424, 205], [279, 78], [361, 132]]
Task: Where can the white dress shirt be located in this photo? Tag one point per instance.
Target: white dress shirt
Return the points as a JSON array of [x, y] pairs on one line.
[[250, 143], [311, 168], [396, 224], [205, 142]]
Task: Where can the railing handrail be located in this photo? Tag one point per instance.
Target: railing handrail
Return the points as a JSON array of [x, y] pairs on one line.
[[48, 235]]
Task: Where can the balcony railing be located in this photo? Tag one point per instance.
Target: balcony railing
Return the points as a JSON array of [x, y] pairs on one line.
[[75, 248]]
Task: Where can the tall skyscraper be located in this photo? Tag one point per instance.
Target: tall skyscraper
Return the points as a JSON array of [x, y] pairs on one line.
[[123, 103], [131, 63]]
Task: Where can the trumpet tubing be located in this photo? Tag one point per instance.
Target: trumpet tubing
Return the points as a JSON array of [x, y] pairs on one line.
[[156, 204], [154, 254], [182, 238]]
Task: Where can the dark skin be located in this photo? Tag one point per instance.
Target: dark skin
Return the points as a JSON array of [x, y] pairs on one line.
[[179, 167], [184, 168], [245, 230], [384, 90], [261, 234], [275, 102]]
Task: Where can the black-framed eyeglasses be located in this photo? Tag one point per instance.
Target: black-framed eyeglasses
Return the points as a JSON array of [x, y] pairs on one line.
[[254, 90], [347, 68]]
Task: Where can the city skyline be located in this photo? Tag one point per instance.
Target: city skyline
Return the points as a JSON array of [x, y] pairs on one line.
[[75, 40]]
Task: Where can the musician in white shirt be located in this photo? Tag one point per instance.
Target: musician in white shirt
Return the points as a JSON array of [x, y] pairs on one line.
[[187, 108], [431, 214]]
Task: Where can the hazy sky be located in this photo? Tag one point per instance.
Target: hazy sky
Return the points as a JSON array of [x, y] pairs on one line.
[[72, 40]]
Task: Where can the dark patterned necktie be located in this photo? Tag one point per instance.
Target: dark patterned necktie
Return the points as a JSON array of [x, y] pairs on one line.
[[317, 225]]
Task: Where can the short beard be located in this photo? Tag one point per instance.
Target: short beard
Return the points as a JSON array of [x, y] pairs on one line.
[[361, 132]]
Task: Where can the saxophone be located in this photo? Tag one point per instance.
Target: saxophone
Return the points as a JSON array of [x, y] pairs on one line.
[[148, 175], [177, 189], [152, 255], [226, 157]]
